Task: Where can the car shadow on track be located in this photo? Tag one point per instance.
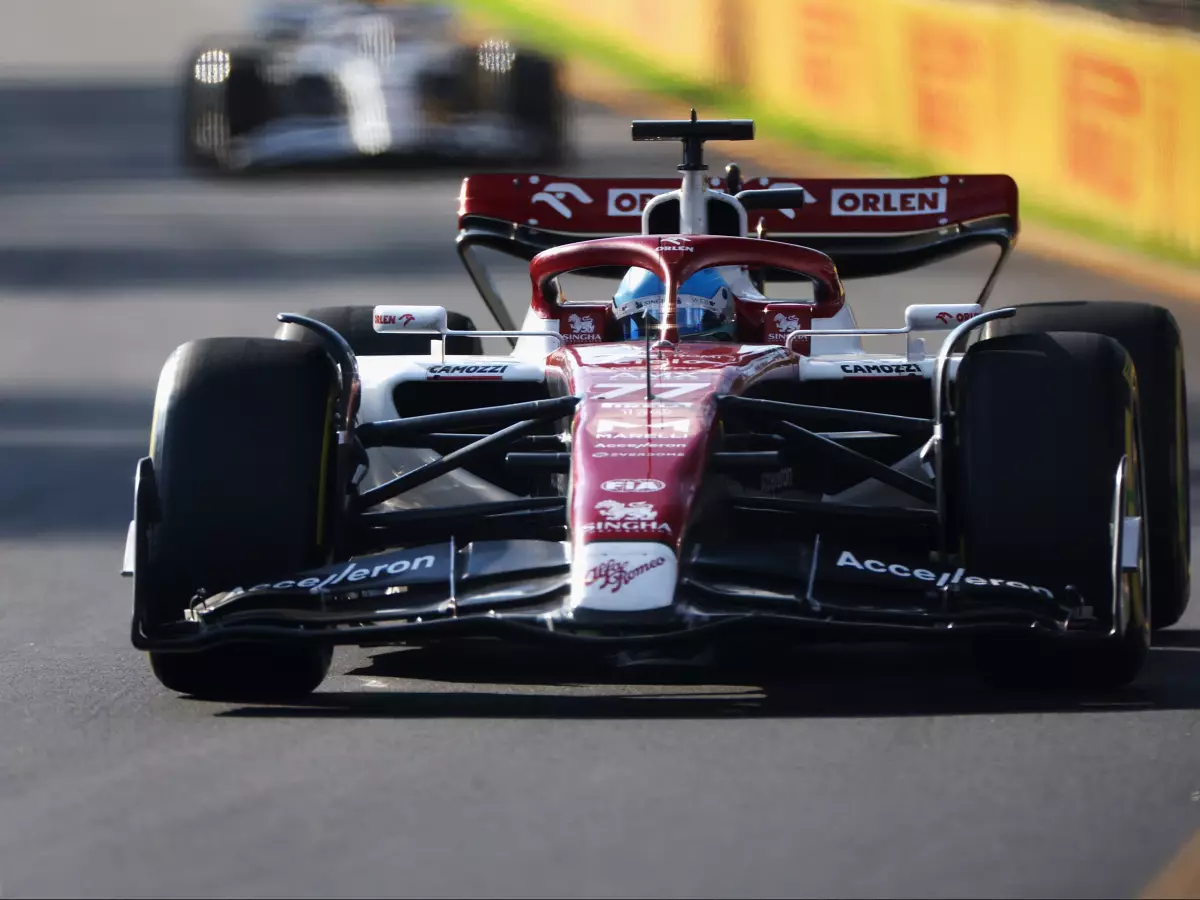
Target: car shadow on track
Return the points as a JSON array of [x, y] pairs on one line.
[[826, 682], [94, 130], [67, 462]]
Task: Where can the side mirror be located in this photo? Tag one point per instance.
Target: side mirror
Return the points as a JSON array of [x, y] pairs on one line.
[[918, 317], [939, 316], [410, 319], [432, 320], [934, 317]]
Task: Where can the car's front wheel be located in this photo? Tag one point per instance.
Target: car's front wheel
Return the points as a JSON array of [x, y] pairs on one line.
[[241, 445], [537, 101], [1152, 338], [1042, 424], [225, 96]]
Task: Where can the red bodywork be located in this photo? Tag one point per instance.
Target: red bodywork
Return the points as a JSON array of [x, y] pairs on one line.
[[842, 206], [623, 435], [619, 436]]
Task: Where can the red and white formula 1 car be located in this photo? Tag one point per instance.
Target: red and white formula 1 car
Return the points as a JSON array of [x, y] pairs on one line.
[[1023, 486]]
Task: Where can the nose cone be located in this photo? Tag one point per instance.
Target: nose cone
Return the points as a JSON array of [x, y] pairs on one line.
[[643, 434], [624, 576], [637, 467]]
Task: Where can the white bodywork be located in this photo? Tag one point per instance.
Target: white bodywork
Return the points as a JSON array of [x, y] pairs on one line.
[[373, 57], [380, 376]]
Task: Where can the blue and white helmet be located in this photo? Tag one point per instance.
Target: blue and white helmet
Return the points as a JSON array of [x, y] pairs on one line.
[[704, 302]]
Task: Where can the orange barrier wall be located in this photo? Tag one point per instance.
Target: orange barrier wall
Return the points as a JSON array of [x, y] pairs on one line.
[[1094, 117]]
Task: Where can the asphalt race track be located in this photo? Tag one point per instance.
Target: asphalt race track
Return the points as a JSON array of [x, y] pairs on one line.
[[882, 773]]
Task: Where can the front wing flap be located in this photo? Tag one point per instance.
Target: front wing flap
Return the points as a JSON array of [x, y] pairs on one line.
[[523, 587]]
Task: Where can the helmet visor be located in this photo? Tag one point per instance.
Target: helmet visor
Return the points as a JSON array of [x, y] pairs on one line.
[[693, 322]]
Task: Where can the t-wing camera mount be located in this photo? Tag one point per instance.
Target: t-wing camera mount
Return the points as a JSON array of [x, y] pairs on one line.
[[693, 133]]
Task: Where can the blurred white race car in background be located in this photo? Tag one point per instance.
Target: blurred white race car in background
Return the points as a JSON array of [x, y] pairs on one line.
[[345, 81]]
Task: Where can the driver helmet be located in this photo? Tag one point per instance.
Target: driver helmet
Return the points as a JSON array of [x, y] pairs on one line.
[[705, 305]]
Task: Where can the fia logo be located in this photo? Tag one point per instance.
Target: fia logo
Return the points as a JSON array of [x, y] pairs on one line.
[[633, 486]]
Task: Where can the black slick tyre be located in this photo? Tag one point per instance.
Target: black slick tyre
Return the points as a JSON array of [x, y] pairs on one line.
[[1151, 336], [537, 102], [241, 445], [225, 97], [1042, 422], [356, 325], [204, 125]]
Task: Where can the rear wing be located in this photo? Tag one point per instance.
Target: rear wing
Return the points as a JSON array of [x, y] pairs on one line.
[[868, 226]]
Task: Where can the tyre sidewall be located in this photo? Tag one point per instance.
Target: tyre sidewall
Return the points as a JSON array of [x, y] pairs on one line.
[[1151, 336]]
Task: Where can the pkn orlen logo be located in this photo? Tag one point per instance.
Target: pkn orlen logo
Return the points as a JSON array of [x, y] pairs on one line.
[[675, 245], [631, 201], [887, 201], [555, 194], [403, 321], [947, 318]]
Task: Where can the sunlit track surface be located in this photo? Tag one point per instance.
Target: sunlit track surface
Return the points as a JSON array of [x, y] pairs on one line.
[[878, 773]]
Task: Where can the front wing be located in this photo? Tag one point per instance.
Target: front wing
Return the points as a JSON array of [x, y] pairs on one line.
[[522, 590], [300, 142]]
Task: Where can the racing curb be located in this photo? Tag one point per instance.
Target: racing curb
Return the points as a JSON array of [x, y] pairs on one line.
[[1180, 880]]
